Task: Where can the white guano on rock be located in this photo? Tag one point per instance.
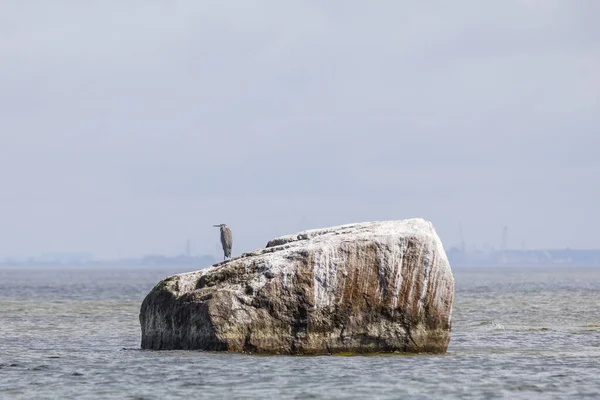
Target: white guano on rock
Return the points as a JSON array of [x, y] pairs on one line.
[[361, 288]]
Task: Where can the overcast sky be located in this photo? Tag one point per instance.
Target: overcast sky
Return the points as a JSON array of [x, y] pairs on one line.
[[127, 127]]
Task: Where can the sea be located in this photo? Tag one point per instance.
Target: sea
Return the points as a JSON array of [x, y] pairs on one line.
[[517, 333]]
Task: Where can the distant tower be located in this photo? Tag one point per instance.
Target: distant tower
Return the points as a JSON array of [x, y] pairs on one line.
[[504, 245], [463, 245], [188, 248]]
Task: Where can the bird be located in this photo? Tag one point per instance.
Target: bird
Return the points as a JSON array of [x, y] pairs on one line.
[[226, 240]]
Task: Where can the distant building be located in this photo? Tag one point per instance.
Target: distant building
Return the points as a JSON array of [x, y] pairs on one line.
[[524, 257]]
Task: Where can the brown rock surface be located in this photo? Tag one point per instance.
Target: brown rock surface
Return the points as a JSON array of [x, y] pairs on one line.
[[361, 288]]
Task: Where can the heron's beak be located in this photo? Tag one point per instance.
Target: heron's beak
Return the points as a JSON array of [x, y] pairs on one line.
[[217, 226]]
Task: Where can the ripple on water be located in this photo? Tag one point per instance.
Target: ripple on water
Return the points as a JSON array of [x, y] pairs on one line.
[[76, 334]]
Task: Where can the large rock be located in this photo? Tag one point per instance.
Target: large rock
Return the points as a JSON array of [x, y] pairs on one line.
[[368, 287]]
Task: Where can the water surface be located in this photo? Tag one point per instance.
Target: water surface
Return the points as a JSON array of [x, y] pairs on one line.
[[519, 334]]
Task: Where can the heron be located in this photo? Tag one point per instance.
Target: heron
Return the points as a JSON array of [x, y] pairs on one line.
[[226, 240]]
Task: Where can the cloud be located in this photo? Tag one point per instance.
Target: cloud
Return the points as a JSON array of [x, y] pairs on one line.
[[129, 127]]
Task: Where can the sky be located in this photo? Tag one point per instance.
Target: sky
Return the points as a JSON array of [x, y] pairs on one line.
[[128, 127]]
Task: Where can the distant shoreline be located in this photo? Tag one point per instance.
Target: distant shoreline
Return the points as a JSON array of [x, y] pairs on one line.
[[196, 267]]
